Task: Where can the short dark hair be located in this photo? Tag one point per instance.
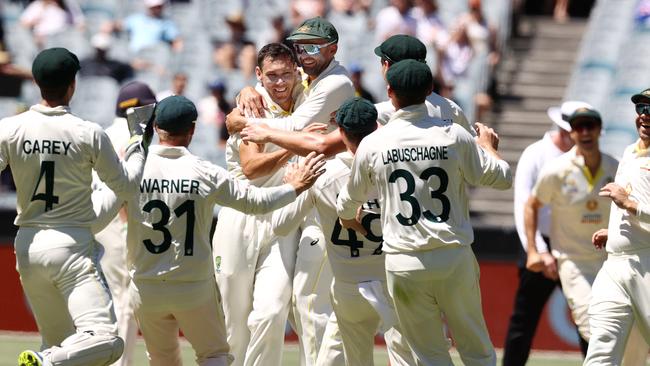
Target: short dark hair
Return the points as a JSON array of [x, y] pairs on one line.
[[275, 51], [55, 92]]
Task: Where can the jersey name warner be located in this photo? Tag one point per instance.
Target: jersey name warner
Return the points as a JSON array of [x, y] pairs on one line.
[[169, 186], [414, 154]]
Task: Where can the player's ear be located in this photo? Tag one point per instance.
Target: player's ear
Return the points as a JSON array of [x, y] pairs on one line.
[[258, 73]]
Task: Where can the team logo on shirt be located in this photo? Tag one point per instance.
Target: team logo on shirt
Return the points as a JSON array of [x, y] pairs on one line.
[[592, 205], [217, 264]]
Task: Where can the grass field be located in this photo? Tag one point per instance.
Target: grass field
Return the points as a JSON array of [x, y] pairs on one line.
[[11, 344]]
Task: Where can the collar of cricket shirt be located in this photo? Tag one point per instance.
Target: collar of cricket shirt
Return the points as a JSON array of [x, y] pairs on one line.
[[50, 111], [640, 151], [346, 158], [328, 70], [413, 112], [579, 161], [168, 150]]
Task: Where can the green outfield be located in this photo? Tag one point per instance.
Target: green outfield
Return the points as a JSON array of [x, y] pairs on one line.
[[11, 344]]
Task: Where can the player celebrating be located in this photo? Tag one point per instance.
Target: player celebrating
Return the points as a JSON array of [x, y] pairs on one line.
[[326, 86], [420, 166], [357, 261], [52, 154], [570, 185], [621, 290], [169, 252]]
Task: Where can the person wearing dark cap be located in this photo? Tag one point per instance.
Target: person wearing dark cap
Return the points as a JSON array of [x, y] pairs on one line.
[[420, 166], [326, 85], [56, 152], [570, 186], [113, 238], [359, 294], [356, 74], [168, 245], [620, 294], [404, 47]]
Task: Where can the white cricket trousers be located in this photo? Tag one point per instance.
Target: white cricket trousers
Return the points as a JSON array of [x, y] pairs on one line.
[[61, 281], [254, 273], [449, 285], [358, 322], [112, 261], [162, 308], [620, 302], [311, 305]]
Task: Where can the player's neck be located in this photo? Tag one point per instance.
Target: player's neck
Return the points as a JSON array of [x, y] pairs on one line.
[[54, 103], [592, 159]]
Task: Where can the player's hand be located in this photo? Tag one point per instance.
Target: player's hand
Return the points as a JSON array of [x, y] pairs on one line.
[[619, 196], [257, 133], [550, 266], [486, 137], [534, 262], [251, 102], [304, 174], [235, 121], [315, 127], [353, 224], [599, 239]]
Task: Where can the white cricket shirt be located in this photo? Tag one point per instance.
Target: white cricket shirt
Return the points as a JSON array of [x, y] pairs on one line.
[[354, 258], [566, 185], [420, 166], [171, 213], [52, 154], [438, 107], [628, 233]]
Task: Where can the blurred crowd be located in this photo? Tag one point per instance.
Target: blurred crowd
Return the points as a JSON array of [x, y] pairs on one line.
[[206, 49]]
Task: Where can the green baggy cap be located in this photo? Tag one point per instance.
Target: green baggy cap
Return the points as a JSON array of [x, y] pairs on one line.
[[410, 77], [175, 113], [402, 47], [315, 28], [586, 113], [55, 67], [357, 114]]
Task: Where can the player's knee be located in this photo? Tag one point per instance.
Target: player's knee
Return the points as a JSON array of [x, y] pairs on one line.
[[86, 348]]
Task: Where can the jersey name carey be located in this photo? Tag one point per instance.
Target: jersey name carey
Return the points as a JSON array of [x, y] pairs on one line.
[[414, 154], [169, 186], [55, 147]]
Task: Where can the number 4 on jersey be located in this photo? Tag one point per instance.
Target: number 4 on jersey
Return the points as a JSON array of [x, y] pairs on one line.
[[47, 171]]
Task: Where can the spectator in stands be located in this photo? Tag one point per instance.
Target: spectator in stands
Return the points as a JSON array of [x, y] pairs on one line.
[[238, 52], [214, 108], [356, 73], [482, 35], [47, 17], [277, 34], [561, 11], [179, 83], [11, 76], [430, 28], [302, 10], [350, 6], [454, 58], [150, 28], [642, 13], [101, 65], [395, 19]]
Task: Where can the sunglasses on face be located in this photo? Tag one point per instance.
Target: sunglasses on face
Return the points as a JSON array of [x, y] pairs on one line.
[[310, 49], [588, 126], [642, 108]]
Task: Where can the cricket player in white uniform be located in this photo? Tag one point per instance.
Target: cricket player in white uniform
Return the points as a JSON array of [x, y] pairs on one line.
[[359, 294], [255, 271], [620, 298], [52, 154], [169, 253], [420, 165], [112, 239], [326, 86]]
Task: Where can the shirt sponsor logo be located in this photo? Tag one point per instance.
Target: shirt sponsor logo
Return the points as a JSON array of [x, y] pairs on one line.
[[592, 205]]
